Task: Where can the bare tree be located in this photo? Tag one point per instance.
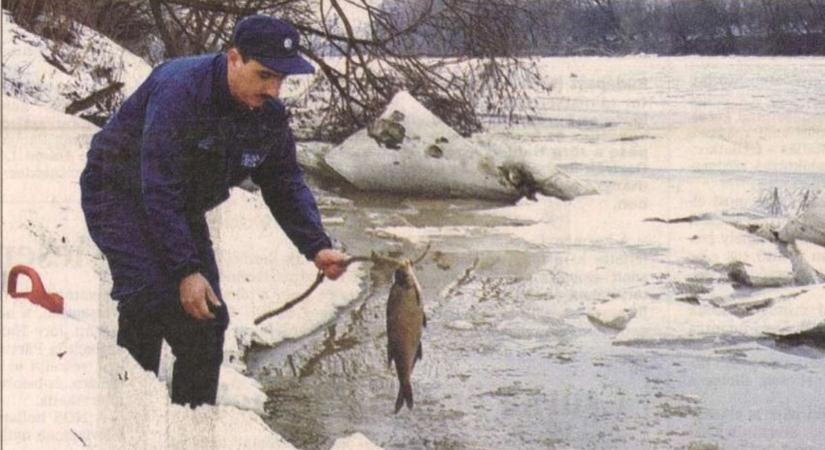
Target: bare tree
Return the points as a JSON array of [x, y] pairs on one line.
[[463, 59], [362, 65]]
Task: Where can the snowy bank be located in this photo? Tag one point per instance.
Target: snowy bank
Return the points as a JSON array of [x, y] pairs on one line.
[[44, 72], [43, 226], [67, 385]]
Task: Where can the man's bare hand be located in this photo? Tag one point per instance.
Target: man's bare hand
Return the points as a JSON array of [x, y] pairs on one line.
[[195, 292], [331, 262]]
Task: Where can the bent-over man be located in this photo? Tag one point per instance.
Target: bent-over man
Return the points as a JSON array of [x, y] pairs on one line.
[[196, 127]]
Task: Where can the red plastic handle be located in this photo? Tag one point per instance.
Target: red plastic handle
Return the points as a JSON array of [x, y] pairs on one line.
[[38, 295]]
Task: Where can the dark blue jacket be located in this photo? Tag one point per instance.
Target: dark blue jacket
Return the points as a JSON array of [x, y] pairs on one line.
[[180, 142]]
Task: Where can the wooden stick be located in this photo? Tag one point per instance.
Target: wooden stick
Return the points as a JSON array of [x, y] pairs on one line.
[[318, 279], [374, 258]]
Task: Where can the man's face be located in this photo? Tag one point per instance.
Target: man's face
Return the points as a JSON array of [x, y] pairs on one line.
[[250, 82]]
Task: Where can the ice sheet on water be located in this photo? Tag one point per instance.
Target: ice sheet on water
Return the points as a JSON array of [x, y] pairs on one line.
[[727, 113], [795, 315], [608, 221], [615, 314], [814, 254], [781, 312], [460, 325], [524, 327], [662, 322]]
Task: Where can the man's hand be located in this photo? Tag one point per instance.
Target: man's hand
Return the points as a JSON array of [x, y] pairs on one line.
[[331, 262], [195, 292]]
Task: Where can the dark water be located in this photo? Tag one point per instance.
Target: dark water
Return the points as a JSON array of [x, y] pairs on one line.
[[511, 362]]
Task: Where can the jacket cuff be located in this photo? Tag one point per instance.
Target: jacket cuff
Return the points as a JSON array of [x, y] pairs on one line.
[[186, 269], [311, 250]]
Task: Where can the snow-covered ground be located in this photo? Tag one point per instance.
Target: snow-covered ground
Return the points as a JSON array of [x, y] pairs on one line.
[[65, 382], [91, 395], [661, 138], [45, 72]]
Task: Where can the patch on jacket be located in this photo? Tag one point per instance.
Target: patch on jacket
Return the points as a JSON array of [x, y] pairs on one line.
[[207, 143], [251, 160]]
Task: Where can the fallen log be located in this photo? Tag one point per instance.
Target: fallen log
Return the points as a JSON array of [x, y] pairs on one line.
[[94, 98]]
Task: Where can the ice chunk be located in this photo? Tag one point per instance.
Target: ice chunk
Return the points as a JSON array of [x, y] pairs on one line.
[[410, 150], [668, 322]]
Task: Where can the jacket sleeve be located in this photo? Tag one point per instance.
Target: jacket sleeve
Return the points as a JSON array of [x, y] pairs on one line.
[[170, 112], [288, 197]]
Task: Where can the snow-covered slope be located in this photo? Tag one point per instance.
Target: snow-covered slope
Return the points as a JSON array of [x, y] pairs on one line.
[[44, 72], [65, 382], [67, 385]]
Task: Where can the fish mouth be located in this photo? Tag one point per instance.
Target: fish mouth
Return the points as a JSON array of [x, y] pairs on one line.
[[401, 277]]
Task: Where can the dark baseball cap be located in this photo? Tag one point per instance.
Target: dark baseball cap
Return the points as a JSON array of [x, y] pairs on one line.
[[272, 42]]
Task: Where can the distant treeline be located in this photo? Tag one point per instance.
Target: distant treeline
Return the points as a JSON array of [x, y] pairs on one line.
[[615, 27], [476, 28]]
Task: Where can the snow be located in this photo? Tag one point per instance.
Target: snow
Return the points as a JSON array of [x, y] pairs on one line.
[[808, 226], [685, 113], [614, 314], [43, 227], [459, 170], [413, 151], [659, 322], [657, 142], [67, 385], [355, 442], [799, 314], [813, 254], [88, 398], [661, 145], [29, 76], [668, 322]]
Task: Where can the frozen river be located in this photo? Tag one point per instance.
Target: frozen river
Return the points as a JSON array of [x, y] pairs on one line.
[[511, 359]]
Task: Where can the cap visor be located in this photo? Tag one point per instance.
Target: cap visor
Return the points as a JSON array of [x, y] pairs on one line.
[[289, 66]]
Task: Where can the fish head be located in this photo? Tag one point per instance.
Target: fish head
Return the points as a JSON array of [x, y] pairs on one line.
[[404, 275]]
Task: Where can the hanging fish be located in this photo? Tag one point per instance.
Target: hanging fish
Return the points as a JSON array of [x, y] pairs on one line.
[[405, 323]]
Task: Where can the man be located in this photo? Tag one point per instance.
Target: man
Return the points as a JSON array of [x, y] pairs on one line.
[[193, 129]]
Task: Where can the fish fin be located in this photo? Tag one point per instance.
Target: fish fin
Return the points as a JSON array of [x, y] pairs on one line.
[[389, 357], [425, 321], [419, 353]]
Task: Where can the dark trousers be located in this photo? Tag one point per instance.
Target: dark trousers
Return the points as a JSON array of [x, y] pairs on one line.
[[197, 346], [148, 300]]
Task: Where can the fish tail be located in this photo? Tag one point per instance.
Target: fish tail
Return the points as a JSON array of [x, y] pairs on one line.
[[399, 401], [405, 395]]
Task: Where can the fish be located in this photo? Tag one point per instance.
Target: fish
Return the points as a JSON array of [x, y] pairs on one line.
[[405, 326]]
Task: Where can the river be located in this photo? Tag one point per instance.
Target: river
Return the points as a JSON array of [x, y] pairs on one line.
[[510, 358]]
